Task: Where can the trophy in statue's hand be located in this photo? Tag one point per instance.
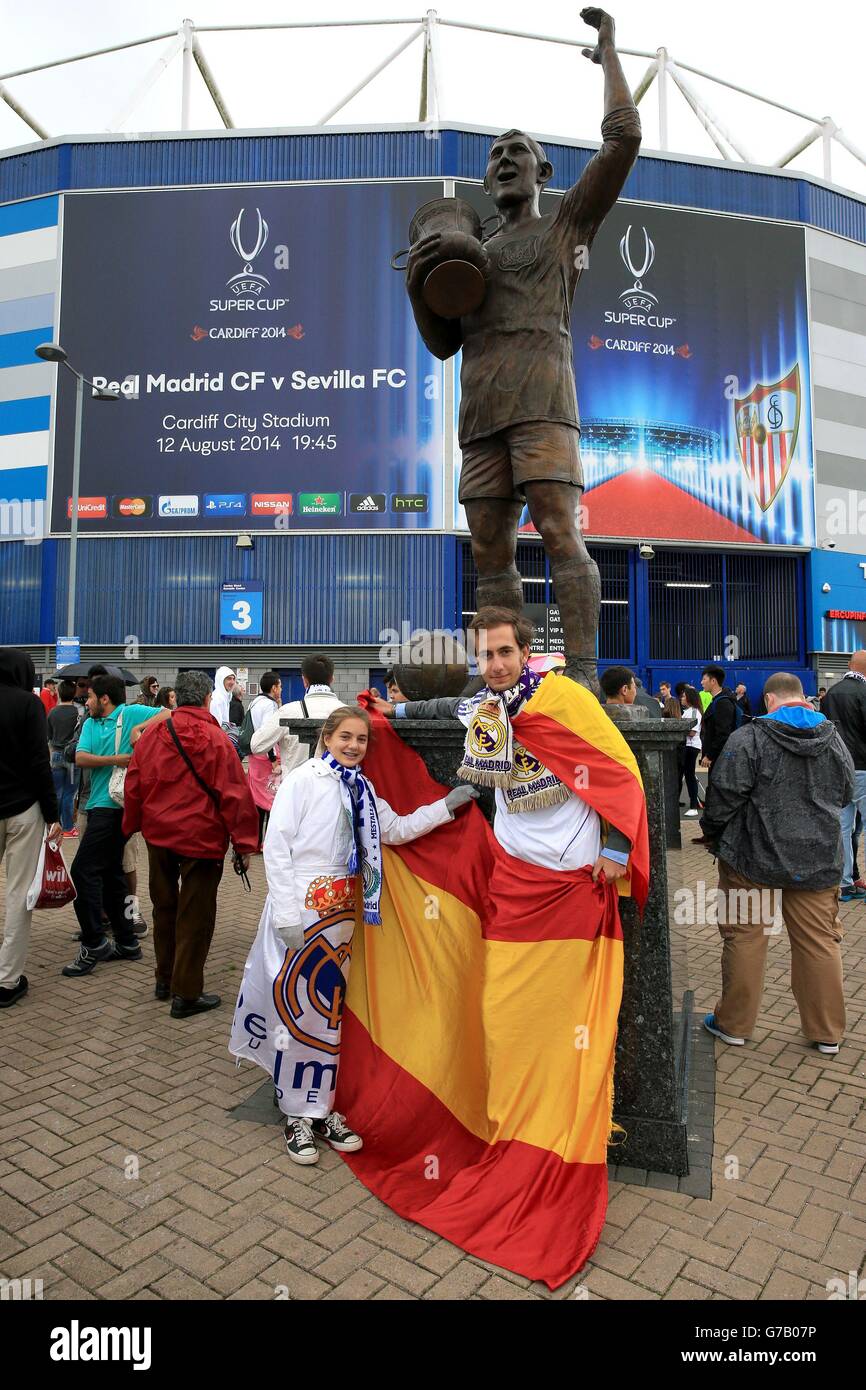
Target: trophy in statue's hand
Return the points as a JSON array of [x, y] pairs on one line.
[[447, 266]]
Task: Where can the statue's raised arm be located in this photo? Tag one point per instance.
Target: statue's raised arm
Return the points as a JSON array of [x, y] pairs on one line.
[[593, 196]]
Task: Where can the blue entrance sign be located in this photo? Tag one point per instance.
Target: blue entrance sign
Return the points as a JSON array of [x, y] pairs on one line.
[[241, 608], [67, 651]]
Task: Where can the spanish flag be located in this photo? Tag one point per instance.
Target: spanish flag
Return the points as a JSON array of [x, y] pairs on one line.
[[480, 1024]]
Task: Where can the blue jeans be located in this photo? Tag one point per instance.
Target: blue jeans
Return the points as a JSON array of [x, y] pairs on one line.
[[65, 785], [849, 815]]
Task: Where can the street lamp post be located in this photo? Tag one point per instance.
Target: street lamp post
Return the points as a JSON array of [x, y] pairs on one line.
[[53, 352]]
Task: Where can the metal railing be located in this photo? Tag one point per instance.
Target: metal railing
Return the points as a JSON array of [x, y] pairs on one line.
[[662, 69]]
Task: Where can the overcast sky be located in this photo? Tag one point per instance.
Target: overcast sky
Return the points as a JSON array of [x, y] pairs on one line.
[[806, 56]]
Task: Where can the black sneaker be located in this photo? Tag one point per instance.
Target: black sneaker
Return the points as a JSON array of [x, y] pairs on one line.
[[185, 1008], [119, 952], [88, 958], [140, 927], [10, 994], [334, 1130], [300, 1144]]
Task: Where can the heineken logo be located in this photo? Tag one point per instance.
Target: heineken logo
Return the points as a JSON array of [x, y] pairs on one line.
[[320, 503]]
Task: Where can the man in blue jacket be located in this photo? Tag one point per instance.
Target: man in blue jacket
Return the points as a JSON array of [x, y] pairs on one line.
[[772, 817]]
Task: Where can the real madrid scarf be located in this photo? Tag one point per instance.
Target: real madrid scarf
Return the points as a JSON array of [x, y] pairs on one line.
[[493, 758], [366, 857]]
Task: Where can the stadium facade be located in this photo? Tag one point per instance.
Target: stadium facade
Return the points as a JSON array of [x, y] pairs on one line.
[[720, 353]]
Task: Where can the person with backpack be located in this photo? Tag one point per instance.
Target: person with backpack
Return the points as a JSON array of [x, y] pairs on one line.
[[97, 869], [263, 769], [187, 793], [721, 716], [318, 702], [64, 721]]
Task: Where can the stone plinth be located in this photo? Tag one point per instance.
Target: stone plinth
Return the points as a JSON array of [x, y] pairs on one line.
[[651, 1060]]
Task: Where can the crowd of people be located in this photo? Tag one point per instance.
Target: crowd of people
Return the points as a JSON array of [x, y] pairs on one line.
[[193, 773]]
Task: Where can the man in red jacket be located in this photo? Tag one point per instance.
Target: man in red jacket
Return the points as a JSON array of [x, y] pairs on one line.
[[48, 694], [187, 793]]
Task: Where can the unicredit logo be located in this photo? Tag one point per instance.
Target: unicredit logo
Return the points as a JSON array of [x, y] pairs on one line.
[[178, 506], [88, 506]]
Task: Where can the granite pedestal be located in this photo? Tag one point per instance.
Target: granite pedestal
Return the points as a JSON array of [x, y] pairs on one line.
[[652, 1053]]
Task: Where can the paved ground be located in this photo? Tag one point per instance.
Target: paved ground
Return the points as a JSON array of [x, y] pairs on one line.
[[123, 1175]]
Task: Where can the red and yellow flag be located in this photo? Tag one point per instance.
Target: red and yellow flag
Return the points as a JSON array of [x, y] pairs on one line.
[[565, 727], [480, 1024]]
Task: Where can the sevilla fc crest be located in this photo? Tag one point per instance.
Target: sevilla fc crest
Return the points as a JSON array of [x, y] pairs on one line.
[[767, 423]]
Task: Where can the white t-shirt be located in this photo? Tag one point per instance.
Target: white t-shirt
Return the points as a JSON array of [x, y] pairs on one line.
[[567, 836], [693, 718], [259, 710]]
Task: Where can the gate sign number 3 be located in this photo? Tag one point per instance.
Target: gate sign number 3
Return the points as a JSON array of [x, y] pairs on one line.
[[241, 609]]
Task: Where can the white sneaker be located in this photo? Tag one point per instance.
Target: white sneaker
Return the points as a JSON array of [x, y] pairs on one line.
[[334, 1130], [692, 813], [300, 1144], [712, 1027], [829, 1049]]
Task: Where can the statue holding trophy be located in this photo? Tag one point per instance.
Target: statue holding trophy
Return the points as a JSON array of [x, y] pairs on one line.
[[506, 302]]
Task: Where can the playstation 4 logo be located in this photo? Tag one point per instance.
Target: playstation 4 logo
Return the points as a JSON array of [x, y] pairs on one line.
[[225, 504]]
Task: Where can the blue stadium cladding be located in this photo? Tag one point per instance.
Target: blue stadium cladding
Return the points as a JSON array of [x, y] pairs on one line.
[[170, 595]]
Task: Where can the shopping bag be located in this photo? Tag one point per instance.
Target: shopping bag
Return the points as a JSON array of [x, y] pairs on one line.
[[51, 886]]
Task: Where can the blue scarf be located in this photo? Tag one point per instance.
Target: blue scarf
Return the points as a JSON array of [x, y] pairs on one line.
[[366, 857]]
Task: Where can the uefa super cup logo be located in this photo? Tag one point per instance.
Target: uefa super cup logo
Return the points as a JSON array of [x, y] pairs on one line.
[[248, 281], [637, 297]]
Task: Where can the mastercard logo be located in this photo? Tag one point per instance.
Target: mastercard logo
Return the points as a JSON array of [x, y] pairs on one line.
[[132, 506]]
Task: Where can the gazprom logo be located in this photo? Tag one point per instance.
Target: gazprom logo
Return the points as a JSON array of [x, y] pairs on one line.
[[178, 506]]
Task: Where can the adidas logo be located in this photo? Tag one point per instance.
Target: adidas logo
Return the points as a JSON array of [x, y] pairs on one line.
[[367, 502]]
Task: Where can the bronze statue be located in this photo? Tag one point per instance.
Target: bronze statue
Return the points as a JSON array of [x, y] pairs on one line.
[[519, 427]]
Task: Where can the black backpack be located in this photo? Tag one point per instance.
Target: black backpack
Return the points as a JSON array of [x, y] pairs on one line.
[[246, 734]]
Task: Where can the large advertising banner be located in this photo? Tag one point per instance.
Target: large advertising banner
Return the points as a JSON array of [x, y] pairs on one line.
[[691, 357], [269, 367]]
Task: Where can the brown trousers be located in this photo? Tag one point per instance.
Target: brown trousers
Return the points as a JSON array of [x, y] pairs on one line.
[[184, 897], [814, 931]]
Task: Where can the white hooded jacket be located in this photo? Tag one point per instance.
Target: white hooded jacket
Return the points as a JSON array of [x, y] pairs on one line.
[[221, 698]]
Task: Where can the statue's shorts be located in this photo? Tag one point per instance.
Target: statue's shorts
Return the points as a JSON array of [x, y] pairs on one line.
[[538, 451]]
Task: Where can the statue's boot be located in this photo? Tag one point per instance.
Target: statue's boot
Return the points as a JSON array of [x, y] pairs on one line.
[[578, 595], [501, 590]]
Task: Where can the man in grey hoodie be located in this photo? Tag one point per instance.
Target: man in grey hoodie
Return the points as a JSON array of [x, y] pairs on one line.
[[772, 817]]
